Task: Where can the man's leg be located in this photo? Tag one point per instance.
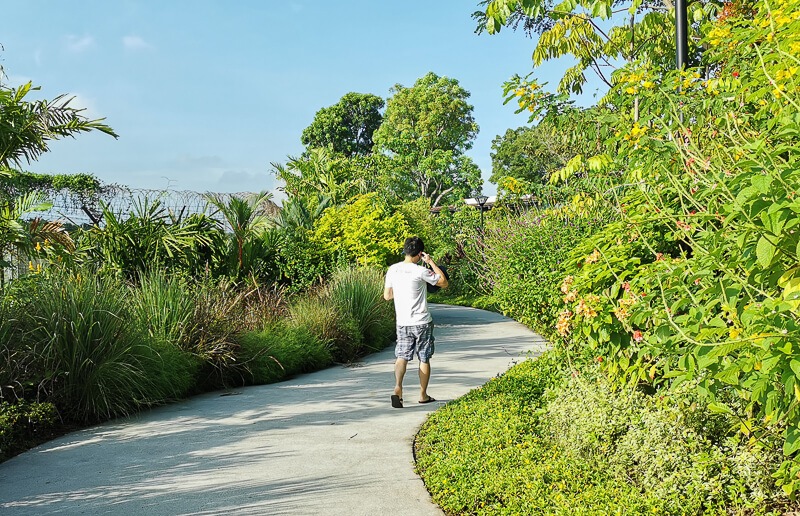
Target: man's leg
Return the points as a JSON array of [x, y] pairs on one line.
[[424, 376], [399, 371]]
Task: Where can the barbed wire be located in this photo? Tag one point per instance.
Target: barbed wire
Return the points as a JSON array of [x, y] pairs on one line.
[[122, 201]]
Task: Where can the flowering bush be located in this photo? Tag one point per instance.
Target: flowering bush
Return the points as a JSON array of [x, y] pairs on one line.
[[521, 258], [699, 280]]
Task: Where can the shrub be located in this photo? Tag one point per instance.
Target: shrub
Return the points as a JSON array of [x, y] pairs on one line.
[[362, 231], [546, 439], [486, 454], [23, 425], [358, 294], [280, 351], [669, 445], [521, 257]]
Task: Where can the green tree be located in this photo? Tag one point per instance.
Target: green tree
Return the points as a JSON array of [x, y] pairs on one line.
[[426, 130], [323, 173], [527, 153], [347, 126], [27, 127]]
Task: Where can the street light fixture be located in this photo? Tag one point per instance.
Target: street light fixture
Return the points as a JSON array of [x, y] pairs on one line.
[[481, 200]]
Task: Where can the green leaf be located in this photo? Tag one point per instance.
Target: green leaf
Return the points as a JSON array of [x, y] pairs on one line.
[[792, 443], [761, 183], [719, 408], [765, 252]]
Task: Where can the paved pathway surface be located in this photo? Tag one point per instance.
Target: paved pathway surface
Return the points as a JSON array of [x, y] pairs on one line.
[[323, 443]]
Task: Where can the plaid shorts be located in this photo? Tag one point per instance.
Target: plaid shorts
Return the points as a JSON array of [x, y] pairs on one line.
[[415, 340]]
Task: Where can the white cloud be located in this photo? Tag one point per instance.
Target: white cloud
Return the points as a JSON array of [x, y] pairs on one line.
[[79, 44], [87, 104], [135, 43]]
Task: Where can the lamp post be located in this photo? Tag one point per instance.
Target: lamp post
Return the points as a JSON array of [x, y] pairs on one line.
[[681, 35], [481, 200], [681, 39]]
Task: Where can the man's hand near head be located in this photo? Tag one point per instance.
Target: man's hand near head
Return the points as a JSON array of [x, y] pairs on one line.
[[442, 279]]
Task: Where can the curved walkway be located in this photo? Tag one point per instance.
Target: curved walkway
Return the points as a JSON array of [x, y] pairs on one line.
[[322, 443]]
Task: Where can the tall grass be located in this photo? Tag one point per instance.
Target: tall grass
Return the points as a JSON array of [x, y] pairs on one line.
[[319, 317], [358, 294], [91, 346], [280, 350], [164, 307], [349, 313]]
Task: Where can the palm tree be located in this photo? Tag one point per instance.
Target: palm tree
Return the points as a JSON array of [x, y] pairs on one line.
[[243, 216], [27, 127], [295, 214]]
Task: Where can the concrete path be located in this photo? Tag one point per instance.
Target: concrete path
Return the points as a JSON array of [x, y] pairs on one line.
[[322, 443]]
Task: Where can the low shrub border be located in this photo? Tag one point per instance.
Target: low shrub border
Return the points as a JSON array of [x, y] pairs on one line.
[[501, 449]]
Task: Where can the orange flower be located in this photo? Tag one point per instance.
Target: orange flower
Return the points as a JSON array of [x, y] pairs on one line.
[[562, 326]]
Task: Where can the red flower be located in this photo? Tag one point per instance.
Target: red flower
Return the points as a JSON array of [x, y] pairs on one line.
[[637, 336], [599, 359], [735, 74]]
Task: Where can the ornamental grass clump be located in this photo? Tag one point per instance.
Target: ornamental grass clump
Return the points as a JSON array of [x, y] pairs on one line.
[[280, 351], [358, 293], [349, 313], [91, 348]]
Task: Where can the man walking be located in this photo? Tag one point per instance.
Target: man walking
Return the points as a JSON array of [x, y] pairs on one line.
[[406, 284]]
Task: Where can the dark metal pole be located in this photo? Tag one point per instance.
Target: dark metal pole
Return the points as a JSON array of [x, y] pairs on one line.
[[681, 40], [681, 34]]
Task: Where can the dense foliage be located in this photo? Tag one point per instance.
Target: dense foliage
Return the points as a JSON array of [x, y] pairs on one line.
[[678, 312], [347, 126], [548, 438], [89, 346]]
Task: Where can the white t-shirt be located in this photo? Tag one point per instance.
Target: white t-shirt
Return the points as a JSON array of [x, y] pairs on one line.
[[407, 281]]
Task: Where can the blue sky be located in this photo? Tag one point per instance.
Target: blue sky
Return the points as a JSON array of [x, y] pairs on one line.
[[206, 94]]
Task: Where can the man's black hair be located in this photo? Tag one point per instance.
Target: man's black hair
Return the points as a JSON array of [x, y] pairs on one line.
[[413, 246]]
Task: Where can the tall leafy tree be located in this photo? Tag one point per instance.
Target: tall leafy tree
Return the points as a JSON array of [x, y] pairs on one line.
[[347, 126], [527, 153], [426, 130]]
